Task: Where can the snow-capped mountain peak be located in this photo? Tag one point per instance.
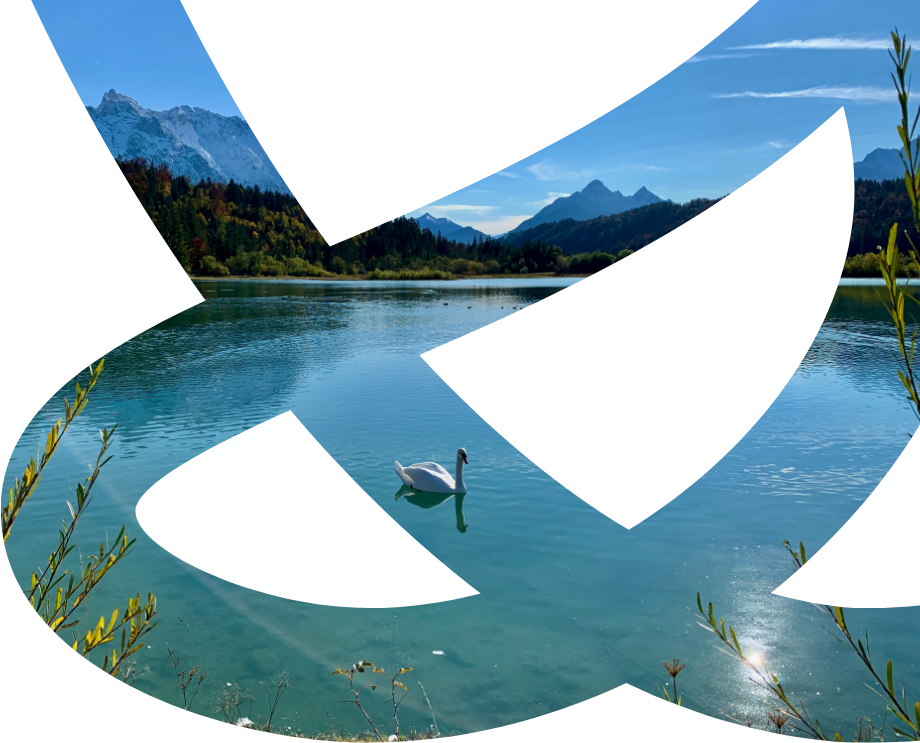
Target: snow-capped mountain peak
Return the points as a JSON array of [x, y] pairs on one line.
[[190, 141]]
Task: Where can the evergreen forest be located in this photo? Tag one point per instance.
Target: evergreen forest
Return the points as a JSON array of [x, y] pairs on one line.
[[225, 229]]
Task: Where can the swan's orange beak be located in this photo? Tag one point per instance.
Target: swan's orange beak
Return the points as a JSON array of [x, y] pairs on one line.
[[465, 460]]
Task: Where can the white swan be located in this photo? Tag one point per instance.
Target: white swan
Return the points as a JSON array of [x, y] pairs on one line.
[[429, 477]]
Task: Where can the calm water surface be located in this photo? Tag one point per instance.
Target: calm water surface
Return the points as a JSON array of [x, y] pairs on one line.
[[571, 604]]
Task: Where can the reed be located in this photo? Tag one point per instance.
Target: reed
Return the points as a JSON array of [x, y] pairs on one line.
[[785, 713]]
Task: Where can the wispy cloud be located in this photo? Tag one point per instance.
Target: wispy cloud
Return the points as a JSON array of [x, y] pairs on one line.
[[860, 94], [773, 144], [507, 174], [500, 225], [821, 43], [550, 198], [642, 167], [448, 210], [547, 170], [708, 57]]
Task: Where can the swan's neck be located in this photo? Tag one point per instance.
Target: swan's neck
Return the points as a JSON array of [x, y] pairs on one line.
[[458, 476]]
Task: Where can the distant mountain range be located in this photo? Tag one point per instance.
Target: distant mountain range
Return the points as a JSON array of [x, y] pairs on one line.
[[450, 230], [594, 200], [193, 142], [880, 165], [628, 230], [437, 224]]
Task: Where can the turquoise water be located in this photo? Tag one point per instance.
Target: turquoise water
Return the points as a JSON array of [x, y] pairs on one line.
[[571, 604]]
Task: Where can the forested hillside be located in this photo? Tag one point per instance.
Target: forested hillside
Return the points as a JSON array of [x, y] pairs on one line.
[[876, 207], [629, 230], [218, 229]]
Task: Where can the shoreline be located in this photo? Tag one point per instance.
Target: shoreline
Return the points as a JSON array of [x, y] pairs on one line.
[[843, 280], [365, 278]]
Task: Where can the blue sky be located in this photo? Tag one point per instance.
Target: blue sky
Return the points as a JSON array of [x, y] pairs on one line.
[[705, 129]]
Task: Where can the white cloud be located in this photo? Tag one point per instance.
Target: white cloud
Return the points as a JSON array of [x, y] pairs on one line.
[[507, 174], [861, 94], [501, 224], [445, 210], [821, 43], [708, 57], [546, 170], [772, 144]]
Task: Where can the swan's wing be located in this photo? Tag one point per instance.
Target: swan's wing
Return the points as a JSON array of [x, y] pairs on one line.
[[431, 466], [428, 480]]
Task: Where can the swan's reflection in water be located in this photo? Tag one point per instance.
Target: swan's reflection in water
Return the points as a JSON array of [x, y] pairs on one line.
[[430, 500]]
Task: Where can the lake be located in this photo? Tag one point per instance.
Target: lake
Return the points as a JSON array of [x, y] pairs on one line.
[[571, 604]]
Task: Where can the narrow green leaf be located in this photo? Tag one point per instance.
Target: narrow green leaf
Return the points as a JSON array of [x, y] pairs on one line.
[[838, 614], [735, 640]]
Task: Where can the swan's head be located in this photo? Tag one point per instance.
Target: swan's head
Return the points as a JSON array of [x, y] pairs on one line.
[[461, 454]]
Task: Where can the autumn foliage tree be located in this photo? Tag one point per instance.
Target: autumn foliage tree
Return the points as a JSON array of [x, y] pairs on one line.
[[218, 229], [196, 254]]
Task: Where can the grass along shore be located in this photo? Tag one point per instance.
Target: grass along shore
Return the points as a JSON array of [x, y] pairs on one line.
[[394, 276]]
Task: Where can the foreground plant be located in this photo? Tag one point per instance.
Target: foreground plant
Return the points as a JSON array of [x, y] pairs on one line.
[[889, 259], [185, 679], [673, 668], [360, 667], [795, 713], [232, 701], [788, 712], [57, 591]]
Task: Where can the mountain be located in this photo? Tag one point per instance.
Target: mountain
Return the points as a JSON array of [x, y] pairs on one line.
[[190, 141], [594, 200], [628, 230], [437, 224], [448, 229], [466, 235], [880, 165]]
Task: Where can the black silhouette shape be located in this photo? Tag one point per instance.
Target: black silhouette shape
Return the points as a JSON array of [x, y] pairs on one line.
[[668, 375], [383, 170], [300, 508]]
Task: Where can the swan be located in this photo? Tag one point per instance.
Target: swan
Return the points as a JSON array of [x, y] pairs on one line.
[[429, 477]]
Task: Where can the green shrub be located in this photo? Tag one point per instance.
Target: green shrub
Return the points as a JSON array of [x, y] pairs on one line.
[[239, 264], [269, 266], [210, 266]]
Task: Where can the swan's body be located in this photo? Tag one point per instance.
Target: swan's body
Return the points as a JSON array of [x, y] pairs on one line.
[[430, 477]]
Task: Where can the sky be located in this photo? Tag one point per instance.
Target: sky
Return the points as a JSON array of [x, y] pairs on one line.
[[707, 128]]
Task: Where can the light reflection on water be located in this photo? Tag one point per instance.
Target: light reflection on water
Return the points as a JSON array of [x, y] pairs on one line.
[[571, 604]]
